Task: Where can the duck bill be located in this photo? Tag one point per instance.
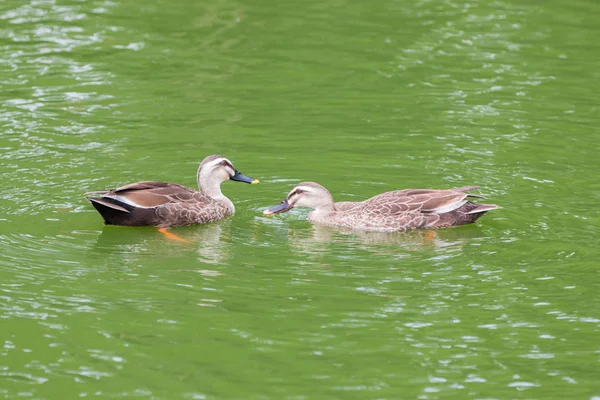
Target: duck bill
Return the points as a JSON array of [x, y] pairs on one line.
[[279, 208], [239, 177]]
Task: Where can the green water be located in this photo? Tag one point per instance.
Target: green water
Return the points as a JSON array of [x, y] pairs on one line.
[[362, 97]]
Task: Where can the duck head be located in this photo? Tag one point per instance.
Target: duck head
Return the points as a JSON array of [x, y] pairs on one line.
[[217, 168], [306, 194]]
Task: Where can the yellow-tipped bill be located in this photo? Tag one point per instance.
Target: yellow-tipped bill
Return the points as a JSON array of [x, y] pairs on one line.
[[239, 177]]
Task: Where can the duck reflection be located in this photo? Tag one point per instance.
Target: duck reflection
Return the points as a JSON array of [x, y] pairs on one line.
[[206, 240], [319, 238], [209, 244]]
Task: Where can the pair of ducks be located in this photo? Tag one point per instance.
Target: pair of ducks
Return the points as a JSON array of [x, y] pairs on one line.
[[163, 204]]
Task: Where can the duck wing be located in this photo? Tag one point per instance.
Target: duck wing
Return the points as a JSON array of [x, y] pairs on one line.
[[428, 201], [159, 204], [149, 194]]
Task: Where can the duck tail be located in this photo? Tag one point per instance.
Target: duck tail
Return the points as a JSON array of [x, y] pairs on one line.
[[101, 204], [111, 212], [115, 212], [482, 208], [466, 189]]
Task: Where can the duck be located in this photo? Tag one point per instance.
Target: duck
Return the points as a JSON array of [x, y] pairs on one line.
[[164, 205], [398, 210]]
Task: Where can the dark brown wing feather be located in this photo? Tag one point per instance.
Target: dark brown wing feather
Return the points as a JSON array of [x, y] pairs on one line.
[[154, 194], [145, 198], [148, 185]]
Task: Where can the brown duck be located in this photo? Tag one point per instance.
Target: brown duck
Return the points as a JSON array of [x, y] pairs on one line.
[[391, 211], [163, 204]]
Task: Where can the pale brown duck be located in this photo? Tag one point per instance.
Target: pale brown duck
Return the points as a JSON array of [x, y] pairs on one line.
[[164, 204], [391, 211]]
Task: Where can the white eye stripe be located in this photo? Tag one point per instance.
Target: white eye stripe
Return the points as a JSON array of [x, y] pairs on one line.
[[217, 163], [295, 190]]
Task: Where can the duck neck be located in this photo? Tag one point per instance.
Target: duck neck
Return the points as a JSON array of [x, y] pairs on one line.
[[210, 185], [323, 211], [321, 214]]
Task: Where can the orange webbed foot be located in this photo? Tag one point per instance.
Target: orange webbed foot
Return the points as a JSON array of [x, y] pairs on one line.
[[173, 236], [429, 236]]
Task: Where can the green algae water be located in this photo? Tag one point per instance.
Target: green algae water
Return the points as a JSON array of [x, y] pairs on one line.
[[361, 97]]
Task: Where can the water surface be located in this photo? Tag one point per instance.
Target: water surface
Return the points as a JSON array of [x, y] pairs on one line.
[[361, 97]]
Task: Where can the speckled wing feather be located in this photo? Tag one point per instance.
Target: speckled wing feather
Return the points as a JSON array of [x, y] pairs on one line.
[[420, 199], [403, 209], [189, 208]]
